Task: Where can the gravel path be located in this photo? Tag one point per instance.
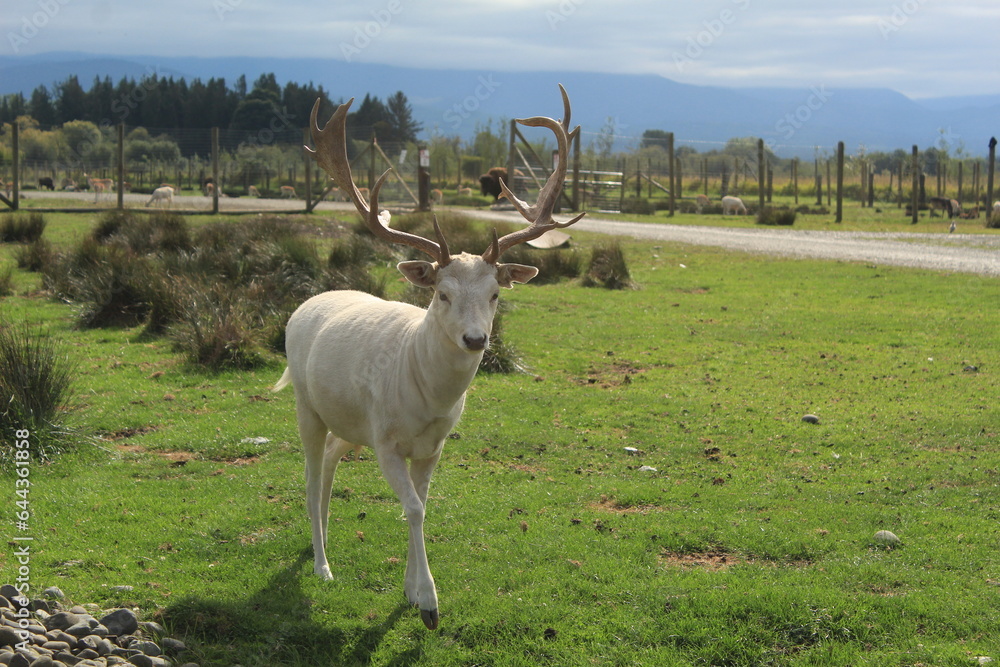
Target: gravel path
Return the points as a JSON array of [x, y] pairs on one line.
[[963, 253]]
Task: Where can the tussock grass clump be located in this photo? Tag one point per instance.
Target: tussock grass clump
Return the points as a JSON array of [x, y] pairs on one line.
[[22, 227], [143, 234], [7, 280], [34, 256], [501, 356], [35, 391], [218, 328], [768, 215], [608, 268], [112, 285]]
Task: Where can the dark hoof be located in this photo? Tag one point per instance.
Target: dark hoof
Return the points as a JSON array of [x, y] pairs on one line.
[[430, 618]]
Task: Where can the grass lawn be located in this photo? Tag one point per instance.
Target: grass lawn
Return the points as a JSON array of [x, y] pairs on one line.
[[647, 494]]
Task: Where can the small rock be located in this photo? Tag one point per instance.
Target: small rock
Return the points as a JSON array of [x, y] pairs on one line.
[[141, 660], [153, 627], [43, 661], [53, 593], [147, 647], [631, 451], [62, 620], [9, 636], [647, 469], [259, 440], [122, 589], [121, 622], [887, 538], [173, 646], [810, 419], [19, 660], [984, 659]]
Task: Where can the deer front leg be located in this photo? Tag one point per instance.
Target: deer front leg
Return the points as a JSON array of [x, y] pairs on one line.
[[411, 489]]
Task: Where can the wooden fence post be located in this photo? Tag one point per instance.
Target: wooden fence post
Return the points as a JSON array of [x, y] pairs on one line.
[[840, 181], [915, 195], [215, 171], [795, 180], [576, 173], [121, 166], [15, 191], [761, 175], [819, 183], [423, 179], [307, 156], [671, 164], [990, 168]]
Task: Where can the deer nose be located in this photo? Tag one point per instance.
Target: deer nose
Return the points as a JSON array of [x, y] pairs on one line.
[[475, 344]]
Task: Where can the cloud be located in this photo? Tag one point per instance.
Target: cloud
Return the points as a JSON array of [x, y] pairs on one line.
[[929, 47]]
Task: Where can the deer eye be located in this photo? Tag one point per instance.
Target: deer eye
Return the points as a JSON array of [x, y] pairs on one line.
[[444, 297], [495, 296]]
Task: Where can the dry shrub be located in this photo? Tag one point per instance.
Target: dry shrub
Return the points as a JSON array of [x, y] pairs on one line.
[[22, 227], [776, 216], [608, 268], [34, 256]]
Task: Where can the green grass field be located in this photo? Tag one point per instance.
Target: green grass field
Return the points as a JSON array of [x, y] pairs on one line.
[[734, 534]]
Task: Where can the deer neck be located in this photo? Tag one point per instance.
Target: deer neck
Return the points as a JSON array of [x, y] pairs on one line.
[[443, 369]]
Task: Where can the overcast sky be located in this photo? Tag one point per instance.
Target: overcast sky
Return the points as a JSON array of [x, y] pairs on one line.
[[922, 48]]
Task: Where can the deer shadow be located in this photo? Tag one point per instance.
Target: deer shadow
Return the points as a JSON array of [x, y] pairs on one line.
[[274, 626]]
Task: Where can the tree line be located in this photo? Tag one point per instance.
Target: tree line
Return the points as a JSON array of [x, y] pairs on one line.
[[168, 103]]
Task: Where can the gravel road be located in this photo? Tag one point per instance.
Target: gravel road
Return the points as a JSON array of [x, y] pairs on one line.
[[963, 253]]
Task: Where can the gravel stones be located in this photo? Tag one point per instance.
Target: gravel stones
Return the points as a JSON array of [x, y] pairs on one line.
[[43, 634], [121, 622]]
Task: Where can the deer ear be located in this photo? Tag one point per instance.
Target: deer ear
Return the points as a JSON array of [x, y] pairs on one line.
[[508, 274], [419, 272]]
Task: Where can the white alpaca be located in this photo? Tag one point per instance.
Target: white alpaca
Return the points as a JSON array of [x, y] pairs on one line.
[[392, 376], [162, 196], [733, 205]]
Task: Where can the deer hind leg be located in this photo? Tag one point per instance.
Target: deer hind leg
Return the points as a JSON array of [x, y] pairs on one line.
[[322, 453], [411, 487]]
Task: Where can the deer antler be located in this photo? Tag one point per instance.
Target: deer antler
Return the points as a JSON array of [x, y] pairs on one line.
[[331, 155], [539, 215]]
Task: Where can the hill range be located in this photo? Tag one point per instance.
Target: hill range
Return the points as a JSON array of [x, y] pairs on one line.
[[794, 121]]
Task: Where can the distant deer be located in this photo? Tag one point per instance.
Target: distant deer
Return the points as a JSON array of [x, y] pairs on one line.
[[288, 192], [392, 376]]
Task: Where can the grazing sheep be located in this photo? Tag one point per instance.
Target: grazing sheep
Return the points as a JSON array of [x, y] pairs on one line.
[[733, 205], [162, 196]]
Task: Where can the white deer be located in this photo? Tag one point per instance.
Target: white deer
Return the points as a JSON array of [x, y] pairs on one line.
[[733, 205], [392, 376], [163, 195]]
